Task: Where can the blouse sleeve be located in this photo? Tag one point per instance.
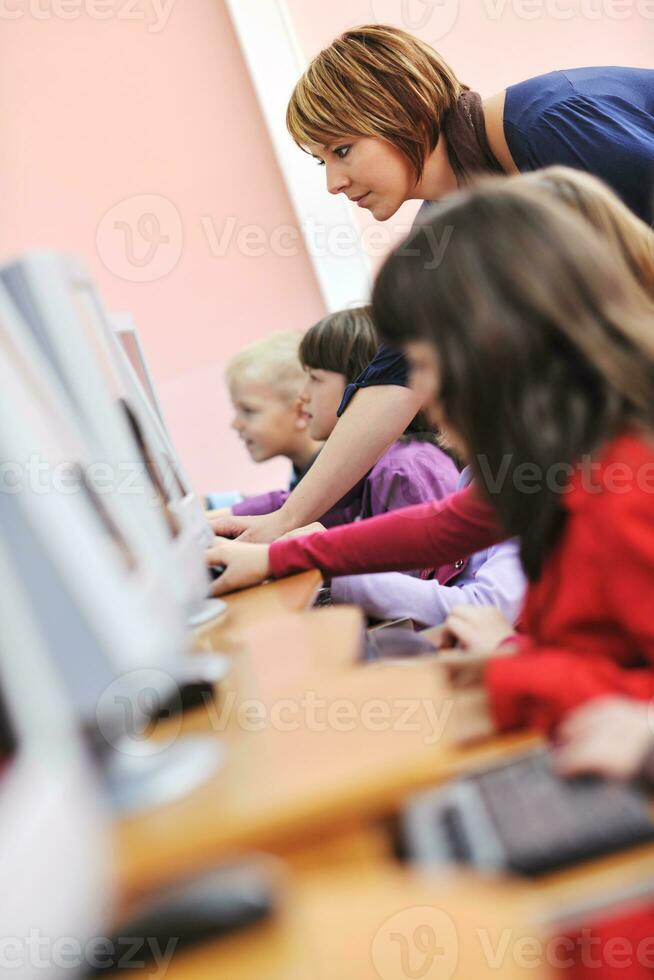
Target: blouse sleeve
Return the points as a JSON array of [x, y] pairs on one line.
[[600, 136], [388, 367]]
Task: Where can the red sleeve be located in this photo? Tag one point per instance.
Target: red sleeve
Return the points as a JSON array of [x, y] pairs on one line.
[[538, 687], [627, 526], [425, 536]]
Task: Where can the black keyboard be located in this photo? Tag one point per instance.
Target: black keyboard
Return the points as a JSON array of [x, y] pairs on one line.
[[324, 597], [522, 817]]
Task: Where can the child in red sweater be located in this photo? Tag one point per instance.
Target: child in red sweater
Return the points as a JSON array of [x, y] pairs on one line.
[[540, 353]]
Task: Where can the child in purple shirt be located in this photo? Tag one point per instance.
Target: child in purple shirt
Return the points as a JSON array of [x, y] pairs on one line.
[[493, 577], [414, 470]]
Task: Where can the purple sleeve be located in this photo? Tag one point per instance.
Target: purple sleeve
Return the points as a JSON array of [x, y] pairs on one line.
[[264, 503], [347, 509], [492, 578], [409, 473]]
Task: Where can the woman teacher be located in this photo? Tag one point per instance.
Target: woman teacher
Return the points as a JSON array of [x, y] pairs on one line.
[[390, 122]]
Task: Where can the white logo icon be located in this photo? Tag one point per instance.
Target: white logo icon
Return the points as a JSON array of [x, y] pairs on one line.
[[128, 708], [418, 943], [140, 239], [433, 19]]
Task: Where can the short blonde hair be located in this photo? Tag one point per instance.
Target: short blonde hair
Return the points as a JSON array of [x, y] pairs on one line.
[[629, 237], [375, 81], [274, 360]]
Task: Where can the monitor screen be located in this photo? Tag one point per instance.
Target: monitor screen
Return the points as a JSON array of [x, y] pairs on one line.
[[163, 497], [130, 344], [131, 348], [92, 320]]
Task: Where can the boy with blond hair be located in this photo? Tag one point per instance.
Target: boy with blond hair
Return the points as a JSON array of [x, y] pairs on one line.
[[264, 381]]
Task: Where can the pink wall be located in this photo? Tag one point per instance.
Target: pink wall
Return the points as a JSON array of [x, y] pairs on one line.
[[95, 112], [494, 43]]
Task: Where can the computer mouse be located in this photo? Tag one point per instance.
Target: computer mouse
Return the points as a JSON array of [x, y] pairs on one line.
[[206, 907]]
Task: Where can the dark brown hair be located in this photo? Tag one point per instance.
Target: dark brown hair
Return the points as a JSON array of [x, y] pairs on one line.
[[545, 347], [346, 342]]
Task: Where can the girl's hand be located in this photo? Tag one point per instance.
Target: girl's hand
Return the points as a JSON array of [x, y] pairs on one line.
[[300, 532], [609, 737], [478, 630], [262, 528], [245, 565], [471, 636]]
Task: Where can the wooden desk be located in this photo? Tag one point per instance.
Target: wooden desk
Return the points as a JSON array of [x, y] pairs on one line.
[[305, 790], [315, 743], [378, 921], [348, 910], [256, 605]]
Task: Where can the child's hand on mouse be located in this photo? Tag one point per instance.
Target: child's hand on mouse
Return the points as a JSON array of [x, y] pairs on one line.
[[245, 564], [471, 635]]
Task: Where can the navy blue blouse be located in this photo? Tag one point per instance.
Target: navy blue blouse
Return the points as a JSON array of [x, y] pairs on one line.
[[600, 120]]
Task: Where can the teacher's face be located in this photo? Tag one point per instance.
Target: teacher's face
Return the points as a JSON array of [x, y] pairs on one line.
[[371, 172]]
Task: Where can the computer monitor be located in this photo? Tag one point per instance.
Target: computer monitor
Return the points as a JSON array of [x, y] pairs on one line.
[[143, 389], [118, 504], [54, 849], [47, 290], [59, 304], [166, 474], [117, 648], [125, 330]]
